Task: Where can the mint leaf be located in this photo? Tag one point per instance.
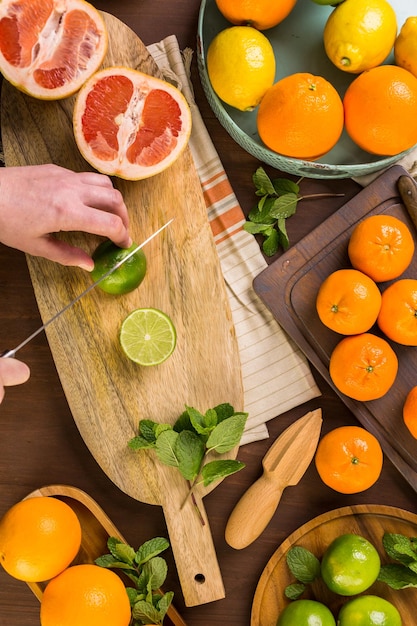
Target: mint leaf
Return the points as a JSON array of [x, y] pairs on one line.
[[282, 234], [254, 228], [294, 591], [215, 470], [145, 612], [190, 452], [224, 411], [271, 244], [165, 448], [139, 443], [397, 576], [155, 571], [147, 430], [285, 185], [262, 183], [262, 213], [284, 206], [303, 564], [120, 550], [202, 424], [150, 549], [227, 434], [399, 547]]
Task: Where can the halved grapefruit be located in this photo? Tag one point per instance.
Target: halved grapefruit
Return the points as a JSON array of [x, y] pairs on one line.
[[48, 48], [130, 124]]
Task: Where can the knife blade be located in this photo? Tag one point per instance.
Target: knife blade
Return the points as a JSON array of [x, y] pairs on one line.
[[408, 191], [12, 353], [284, 465]]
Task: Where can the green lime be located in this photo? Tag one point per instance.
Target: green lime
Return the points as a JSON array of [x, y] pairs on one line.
[[306, 613], [127, 277], [369, 611], [350, 565], [148, 336]]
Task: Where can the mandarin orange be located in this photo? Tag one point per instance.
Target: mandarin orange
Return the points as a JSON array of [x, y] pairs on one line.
[[380, 110], [381, 246], [410, 411], [349, 459], [260, 14], [301, 116], [397, 317], [363, 367], [348, 302]]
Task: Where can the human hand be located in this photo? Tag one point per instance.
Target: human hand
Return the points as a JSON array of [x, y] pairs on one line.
[[37, 201], [12, 372]]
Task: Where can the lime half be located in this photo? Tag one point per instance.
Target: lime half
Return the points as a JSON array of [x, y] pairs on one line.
[[148, 336]]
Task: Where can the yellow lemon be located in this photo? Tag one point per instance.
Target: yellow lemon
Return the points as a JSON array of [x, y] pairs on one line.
[[360, 34], [241, 66], [405, 47]]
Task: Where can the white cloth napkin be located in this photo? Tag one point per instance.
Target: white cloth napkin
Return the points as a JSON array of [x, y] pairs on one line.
[[276, 375]]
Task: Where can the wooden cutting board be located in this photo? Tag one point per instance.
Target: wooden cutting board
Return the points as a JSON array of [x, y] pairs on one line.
[[370, 521], [289, 289], [107, 393]]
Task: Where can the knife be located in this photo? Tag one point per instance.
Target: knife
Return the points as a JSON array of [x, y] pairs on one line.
[[12, 353], [284, 464], [408, 191]]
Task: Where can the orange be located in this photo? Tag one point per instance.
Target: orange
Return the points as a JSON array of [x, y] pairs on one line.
[[39, 537], [363, 367], [410, 411], [85, 595], [49, 48], [381, 246], [349, 459], [301, 116], [129, 124], [380, 110], [127, 277], [350, 565], [398, 315], [348, 302], [260, 14]]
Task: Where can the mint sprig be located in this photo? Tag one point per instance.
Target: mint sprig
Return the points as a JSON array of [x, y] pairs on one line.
[[403, 550], [278, 201], [305, 567], [148, 571]]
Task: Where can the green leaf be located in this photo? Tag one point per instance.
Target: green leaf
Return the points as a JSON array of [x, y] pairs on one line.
[[284, 206], [139, 443], [224, 411], [397, 576], [263, 183], [285, 185], [262, 213], [165, 448], [399, 547], [161, 428], [120, 550], [165, 602], [155, 571], [190, 451], [146, 612], [294, 591], [183, 422], [108, 561], [132, 595], [303, 564], [202, 424], [256, 229], [282, 234], [147, 429], [227, 434], [271, 244], [215, 470], [150, 549]]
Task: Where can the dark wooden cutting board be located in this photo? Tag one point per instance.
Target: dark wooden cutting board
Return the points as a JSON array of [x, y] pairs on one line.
[[289, 287], [107, 393]]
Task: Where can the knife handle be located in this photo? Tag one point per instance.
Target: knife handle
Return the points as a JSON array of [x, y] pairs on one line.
[[254, 511], [408, 191]]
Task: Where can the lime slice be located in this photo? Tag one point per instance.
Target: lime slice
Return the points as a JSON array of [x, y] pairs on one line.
[[148, 336]]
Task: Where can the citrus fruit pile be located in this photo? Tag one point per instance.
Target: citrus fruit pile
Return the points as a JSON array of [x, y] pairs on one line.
[[40, 538], [363, 365], [302, 115]]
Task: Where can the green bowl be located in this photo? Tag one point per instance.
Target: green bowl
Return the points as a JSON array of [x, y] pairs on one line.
[[298, 46]]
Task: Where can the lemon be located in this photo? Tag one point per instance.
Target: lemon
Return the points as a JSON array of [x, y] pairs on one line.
[[125, 278], [148, 336], [360, 34], [241, 66], [405, 47]]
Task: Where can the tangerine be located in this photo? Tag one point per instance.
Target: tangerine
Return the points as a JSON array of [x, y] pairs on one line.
[[398, 314], [349, 459], [348, 302], [85, 594], [410, 411], [39, 537], [301, 116], [380, 110], [363, 367], [381, 246], [49, 48], [129, 124], [260, 14]]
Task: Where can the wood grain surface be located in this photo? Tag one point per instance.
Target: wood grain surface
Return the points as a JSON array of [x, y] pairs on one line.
[[107, 393], [369, 521], [289, 288]]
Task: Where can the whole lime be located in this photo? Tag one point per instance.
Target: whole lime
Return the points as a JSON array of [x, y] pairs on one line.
[[350, 565], [125, 278], [369, 611], [306, 613]]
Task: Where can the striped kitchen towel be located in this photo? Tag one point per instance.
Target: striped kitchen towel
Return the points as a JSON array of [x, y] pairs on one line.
[[276, 375]]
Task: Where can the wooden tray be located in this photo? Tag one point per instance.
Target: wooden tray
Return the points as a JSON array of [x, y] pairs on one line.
[[370, 521], [107, 393], [96, 528], [289, 287]]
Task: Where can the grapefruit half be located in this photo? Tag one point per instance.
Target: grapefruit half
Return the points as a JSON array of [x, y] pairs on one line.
[[48, 48], [130, 124]]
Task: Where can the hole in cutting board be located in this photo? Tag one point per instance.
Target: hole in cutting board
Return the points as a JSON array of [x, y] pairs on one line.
[[200, 578]]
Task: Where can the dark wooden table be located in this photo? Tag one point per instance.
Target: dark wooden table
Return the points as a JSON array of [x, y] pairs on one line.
[[40, 444]]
